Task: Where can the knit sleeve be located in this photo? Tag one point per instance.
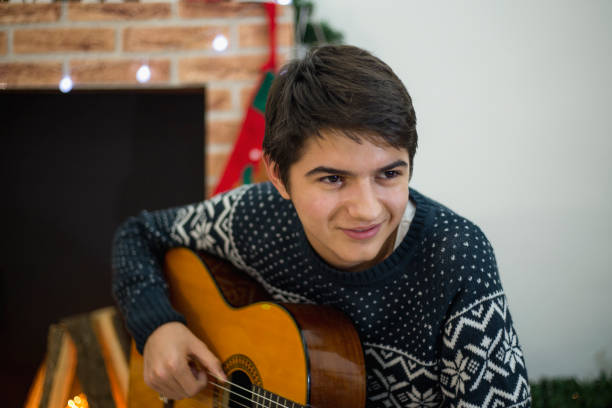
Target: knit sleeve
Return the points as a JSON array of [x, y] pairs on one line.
[[140, 244], [481, 362]]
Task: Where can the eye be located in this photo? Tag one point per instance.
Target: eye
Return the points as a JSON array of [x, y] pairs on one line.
[[389, 174], [332, 179]]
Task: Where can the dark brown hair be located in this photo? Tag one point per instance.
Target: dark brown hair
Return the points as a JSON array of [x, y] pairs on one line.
[[340, 88]]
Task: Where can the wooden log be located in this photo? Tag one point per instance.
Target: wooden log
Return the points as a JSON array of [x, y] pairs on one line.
[[60, 368], [36, 389], [91, 368], [122, 334], [114, 356], [86, 353]]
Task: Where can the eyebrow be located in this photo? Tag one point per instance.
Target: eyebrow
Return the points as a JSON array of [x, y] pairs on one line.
[[340, 172]]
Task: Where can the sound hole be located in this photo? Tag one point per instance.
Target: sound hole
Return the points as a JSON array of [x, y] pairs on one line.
[[240, 395], [243, 375]]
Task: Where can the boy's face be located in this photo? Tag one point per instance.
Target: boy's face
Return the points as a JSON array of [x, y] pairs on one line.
[[349, 196]]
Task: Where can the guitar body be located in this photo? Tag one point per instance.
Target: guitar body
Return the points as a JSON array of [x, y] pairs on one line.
[[288, 355]]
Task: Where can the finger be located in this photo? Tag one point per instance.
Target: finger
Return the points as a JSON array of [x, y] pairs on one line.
[[189, 383], [202, 354], [162, 380], [171, 389]]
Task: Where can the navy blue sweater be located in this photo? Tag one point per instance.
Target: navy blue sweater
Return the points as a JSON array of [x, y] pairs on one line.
[[432, 317]]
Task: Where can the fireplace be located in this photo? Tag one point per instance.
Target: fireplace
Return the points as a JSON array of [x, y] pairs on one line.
[[73, 167], [102, 45]]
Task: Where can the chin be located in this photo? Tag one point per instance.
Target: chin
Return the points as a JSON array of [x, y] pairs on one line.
[[351, 263], [353, 255]]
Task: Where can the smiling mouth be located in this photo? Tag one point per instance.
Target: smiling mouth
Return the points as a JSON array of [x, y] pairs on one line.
[[362, 233]]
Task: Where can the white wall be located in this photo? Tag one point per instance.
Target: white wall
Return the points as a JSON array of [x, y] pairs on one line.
[[514, 108]]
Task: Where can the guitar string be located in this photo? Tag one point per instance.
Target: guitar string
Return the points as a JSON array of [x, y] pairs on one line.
[[278, 404], [247, 390], [251, 391]]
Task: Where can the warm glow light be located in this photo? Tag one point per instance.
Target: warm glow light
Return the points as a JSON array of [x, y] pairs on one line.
[[220, 43], [65, 84], [143, 74], [79, 401]]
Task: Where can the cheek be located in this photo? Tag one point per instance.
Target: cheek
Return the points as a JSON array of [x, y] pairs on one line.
[[397, 202], [321, 207], [315, 209]]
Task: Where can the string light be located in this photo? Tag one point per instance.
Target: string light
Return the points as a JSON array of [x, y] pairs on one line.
[[220, 43], [143, 74], [255, 154], [65, 84]]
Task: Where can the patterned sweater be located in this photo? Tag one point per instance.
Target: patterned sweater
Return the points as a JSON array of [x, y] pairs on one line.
[[432, 317]]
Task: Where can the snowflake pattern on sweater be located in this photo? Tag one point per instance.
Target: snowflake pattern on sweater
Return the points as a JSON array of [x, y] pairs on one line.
[[432, 317]]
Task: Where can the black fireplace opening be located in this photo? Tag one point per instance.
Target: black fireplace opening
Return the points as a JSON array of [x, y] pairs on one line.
[[74, 166]]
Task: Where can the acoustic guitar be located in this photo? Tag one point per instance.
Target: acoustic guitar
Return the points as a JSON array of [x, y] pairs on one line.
[[275, 355]]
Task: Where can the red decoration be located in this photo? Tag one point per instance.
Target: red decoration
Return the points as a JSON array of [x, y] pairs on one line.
[[243, 163]]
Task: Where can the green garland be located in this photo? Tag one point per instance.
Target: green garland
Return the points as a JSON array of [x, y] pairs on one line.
[[311, 32], [566, 393]]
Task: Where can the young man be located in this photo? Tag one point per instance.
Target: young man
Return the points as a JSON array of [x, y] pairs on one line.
[[339, 225]]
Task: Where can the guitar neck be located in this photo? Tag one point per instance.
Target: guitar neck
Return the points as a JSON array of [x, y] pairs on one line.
[[264, 398]]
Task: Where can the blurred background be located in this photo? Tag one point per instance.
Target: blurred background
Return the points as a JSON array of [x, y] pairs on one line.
[[513, 109]]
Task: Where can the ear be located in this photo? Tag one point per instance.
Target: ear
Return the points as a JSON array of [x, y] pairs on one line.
[[273, 176]]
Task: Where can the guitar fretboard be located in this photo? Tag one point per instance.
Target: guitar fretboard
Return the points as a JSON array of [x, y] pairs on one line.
[[264, 398]]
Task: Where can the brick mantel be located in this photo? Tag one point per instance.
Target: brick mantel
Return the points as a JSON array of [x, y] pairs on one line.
[[102, 45]]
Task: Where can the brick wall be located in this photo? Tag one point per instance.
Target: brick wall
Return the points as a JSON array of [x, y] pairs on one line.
[[102, 45]]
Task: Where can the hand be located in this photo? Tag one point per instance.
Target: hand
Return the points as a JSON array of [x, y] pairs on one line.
[[171, 354]]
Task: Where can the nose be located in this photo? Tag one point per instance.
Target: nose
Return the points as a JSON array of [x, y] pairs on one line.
[[362, 201]]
